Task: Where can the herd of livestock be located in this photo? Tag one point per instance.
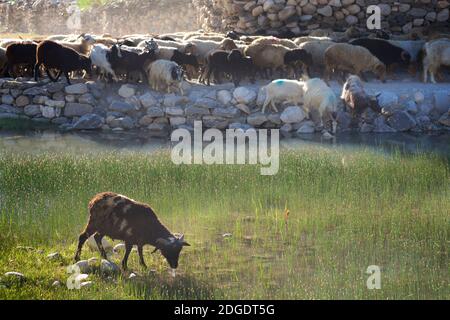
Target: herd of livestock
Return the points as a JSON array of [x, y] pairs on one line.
[[164, 61]]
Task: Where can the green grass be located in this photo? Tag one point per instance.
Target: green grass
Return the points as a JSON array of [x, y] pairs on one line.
[[348, 210]]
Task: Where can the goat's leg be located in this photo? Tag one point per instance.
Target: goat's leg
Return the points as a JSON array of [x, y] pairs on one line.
[[36, 71], [98, 239], [141, 256], [128, 248], [274, 107], [66, 74], [208, 76]]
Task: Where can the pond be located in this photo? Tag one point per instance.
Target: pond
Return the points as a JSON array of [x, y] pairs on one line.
[[87, 142]]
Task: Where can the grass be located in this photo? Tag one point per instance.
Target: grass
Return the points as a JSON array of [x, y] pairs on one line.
[[348, 210]]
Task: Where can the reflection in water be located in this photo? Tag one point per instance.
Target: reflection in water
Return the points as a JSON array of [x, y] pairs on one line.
[[84, 142]]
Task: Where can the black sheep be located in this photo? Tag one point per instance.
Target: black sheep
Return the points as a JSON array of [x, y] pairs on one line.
[[21, 54], [241, 66], [188, 61], [124, 60], [53, 55], [298, 57], [233, 63], [385, 51]]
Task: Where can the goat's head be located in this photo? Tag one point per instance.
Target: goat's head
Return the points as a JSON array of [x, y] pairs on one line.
[[151, 46], [87, 38], [177, 73], [170, 248]]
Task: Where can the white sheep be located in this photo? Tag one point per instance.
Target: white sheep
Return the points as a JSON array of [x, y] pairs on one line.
[[316, 49], [273, 40], [283, 90], [320, 97], [164, 74], [353, 59], [99, 59], [304, 39], [437, 53], [82, 46]]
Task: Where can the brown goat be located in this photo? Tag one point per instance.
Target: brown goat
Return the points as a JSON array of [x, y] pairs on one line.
[[356, 98], [135, 223]]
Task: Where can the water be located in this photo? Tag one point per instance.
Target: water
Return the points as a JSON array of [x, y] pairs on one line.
[[82, 142]]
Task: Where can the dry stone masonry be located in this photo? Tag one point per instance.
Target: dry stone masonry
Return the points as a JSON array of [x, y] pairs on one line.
[[303, 16], [94, 106]]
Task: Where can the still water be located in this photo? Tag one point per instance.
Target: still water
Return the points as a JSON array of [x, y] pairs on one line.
[[80, 142]]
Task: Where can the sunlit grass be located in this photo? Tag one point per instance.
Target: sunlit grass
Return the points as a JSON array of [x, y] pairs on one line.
[[348, 210]]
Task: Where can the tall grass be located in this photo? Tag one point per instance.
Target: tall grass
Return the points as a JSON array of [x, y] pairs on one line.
[[348, 210]]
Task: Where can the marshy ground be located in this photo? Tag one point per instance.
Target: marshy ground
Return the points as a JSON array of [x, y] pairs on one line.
[[348, 208]]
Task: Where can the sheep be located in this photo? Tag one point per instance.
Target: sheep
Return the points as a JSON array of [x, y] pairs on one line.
[[298, 41], [53, 55], [283, 90], [135, 223], [414, 48], [21, 54], [273, 40], [318, 96], [201, 48], [354, 59], [164, 73], [317, 50], [437, 53], [233, 63], [99, 57], [128, 60], [188, 61], [83, 46], [273, 56], [356, 98], [385, 51]]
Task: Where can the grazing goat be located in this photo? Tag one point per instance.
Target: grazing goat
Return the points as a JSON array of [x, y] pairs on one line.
[[318, 96], [436, 54], [283, 90], [233, 63], [128, 60], [385, 51], [356, 98], [99, 57], [21, 54], [53, 55], [353, 59], [164, 74], [135, 223], [274, 56]]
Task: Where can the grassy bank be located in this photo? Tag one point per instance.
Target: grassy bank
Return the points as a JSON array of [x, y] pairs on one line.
[[348, 210]]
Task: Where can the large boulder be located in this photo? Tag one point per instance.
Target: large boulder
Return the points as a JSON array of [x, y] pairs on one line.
[[401, 121], [244, 95], [293, 115], [77, 109], [88, 122], [127, 91], [78, 88]]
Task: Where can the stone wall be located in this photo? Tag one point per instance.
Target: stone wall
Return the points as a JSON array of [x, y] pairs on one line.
[[303, 16], [118, 17], [93, 105]]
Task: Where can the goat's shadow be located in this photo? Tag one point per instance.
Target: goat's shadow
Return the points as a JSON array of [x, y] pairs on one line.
[[163, 286]]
